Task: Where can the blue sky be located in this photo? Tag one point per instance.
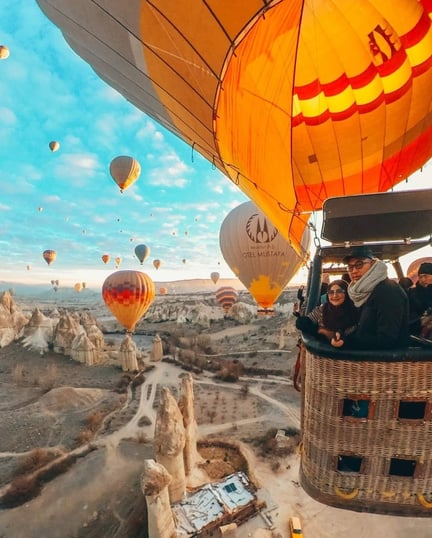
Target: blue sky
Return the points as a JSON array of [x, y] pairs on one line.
[[176, 207], [49, 93]]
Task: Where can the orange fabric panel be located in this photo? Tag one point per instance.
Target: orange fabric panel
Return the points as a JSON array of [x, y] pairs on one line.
[[342, 111]]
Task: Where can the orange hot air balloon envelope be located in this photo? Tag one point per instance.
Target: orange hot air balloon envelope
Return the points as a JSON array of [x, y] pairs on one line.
[[78, 286], [295, 100], [163, 291], [156, 264], [128, 295], [105, 258], [226, 297], [49, 256], [214, 276], [124, 170], [258, 254]]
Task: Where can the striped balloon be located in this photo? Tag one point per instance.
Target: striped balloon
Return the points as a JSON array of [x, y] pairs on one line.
[[226, 297], [128, 294]]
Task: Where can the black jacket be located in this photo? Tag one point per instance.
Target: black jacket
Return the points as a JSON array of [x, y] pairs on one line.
[[420, 300], [383, 322]]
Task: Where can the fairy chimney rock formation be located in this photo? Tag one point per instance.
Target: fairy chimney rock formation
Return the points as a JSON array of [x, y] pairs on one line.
[[169, 442], [12, 320], [96, 336], [157, 349], [66, 330], [83, 350], [154, 485], [128, 354], [186, 405]]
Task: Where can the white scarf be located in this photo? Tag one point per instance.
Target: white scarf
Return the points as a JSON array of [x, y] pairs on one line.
[[360, 291]]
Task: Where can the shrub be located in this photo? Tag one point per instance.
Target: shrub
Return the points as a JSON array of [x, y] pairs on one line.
[[85, 436], [48, 379], [141, 437], [56, 469], [21, 490], [94, 421], [144, 421], [36, 459], [18, 374], [138, 380]]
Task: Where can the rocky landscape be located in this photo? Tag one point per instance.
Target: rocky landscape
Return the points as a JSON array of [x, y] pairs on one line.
[[79, 402], [68, 389]]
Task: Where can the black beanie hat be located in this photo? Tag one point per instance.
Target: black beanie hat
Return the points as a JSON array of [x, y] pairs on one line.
[[425, 269]]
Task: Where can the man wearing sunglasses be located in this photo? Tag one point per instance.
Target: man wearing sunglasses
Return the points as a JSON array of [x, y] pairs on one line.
[[382, 304]]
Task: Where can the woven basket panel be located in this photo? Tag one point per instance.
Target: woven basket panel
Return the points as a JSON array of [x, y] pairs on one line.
[[326, 434]]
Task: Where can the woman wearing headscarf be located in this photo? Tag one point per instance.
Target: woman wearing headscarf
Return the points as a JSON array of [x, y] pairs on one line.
[[336, 315]]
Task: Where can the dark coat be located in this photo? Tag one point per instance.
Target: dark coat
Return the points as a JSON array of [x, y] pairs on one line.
[[383, 322], [420, 300]]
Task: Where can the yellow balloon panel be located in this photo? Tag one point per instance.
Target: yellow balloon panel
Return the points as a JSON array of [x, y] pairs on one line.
[[258, 254]]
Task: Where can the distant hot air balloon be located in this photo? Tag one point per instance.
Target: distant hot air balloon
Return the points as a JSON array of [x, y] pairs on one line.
[[184, 260], [214, 276], [142, 252], [118, 261], [78, 287], [258, 255], [412, 271], [125, 171], [84, 284], [163, 291], [49, 256], [54, 145], [156, 264], [28, 267], [105, 258], [40, 209], [226, 297], [295, 101], [128, 295], [4, 52]]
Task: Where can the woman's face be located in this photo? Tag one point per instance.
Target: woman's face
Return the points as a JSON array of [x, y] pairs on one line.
[[336, 295]]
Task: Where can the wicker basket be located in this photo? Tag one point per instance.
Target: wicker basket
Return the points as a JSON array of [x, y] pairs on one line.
[[379, 460]]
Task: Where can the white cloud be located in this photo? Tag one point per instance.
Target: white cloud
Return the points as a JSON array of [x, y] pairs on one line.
[[51, 198], [4, 207], [7, 116]]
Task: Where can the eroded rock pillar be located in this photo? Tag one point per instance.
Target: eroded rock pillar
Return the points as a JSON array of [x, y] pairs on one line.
[[154, 485], [169, 443]]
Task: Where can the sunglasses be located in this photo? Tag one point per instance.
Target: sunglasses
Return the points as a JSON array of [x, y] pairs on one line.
[[337, 291], [357, 265]]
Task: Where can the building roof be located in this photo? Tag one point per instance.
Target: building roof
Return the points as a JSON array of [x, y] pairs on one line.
[[212, 502]]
